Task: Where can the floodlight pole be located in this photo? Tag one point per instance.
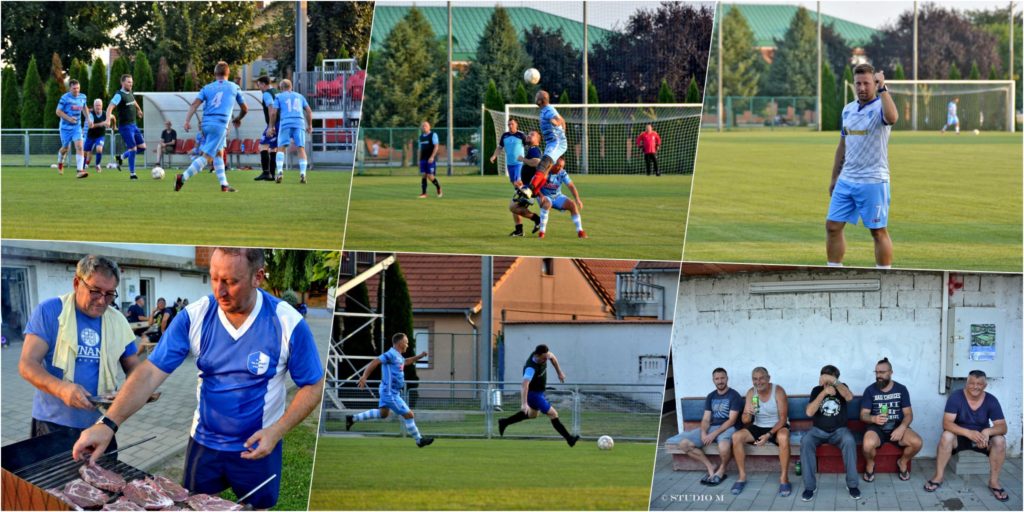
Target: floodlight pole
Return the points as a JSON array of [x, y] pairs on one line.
[[451, 99], [585, 167], [819, 66], [913, 112], [486, 317], [301, 20], [721, 18], [1011, 42]]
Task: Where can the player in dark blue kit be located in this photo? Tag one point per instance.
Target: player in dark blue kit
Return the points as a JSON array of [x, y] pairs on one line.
[[127, 111], [98, 123], [268, 143], [429, 146], [535, 380], [515, 144], [392, 381]]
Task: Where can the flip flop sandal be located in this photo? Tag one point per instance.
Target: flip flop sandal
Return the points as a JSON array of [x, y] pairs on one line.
[[904, 474], [869, 476], [705, 480], [934, 486], [737, 488], [785, 490], [716, 480], [999, 490]]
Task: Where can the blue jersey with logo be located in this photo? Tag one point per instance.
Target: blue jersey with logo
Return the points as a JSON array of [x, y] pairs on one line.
[[392, 374], [553, 135], [553, 186], [44, 324], [219, 98], [514, 145], [241, 371], [73, 106], [291, 109]]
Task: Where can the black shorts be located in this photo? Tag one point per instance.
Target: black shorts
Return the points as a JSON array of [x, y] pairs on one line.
[[884, 435], [756, 432], [963, 443]]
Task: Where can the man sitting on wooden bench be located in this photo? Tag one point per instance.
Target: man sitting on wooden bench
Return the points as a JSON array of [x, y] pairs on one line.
[[721, 412], [885, 407], [766, 420], [827, 410]]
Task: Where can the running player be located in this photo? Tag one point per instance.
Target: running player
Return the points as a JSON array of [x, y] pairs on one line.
[[548, 187], [98, 123], [268, 143], [218, 99], [429, 146], [951, 117], [296, 120], [127, 111], [533, 401], [70, 109], [392, 380], [860, 173]]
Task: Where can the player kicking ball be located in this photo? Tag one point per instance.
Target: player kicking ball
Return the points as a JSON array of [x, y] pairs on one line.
[[535, 380], [548, 188], [392, 381]]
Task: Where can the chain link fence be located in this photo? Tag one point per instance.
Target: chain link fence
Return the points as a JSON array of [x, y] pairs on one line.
[[761, 112], [395, 151], [38, 148], [472, 409]]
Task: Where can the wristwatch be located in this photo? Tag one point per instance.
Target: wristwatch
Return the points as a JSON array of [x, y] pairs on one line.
[[883, 89], [104, 420]]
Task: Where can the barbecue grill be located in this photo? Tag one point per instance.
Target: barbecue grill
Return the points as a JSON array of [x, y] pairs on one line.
[[32, 466]]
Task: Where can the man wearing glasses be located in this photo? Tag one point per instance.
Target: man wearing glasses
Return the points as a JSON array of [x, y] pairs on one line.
[[73, 344]]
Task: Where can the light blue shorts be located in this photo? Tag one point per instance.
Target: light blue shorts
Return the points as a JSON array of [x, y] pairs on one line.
[[558, 202], [867, 201], [554, 151], [215, 137], [395, 403], [292, 135], [69, 134]]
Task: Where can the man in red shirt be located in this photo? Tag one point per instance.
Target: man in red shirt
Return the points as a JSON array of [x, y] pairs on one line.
[[650, 142]]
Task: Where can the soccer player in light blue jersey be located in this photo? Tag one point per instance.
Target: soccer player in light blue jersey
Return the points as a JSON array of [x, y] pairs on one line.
[[951, 118], [860, 173], [548, 188], [392, 380], [70, 108], [244, 341], [296, 120], [552, 128], [218, 99]]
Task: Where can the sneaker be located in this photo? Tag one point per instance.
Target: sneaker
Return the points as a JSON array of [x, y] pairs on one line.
[[119, 162], [440, 194], [349, 422], [82, 174], [582, 234], [227, 188], [572, 441], [302, 179], [133, 177], [280, 177], [540, 235], [854, 492], [807, 495], [423, 196], [179, 181], [264, 176], [424, 441], [501, 427], [516, 233]]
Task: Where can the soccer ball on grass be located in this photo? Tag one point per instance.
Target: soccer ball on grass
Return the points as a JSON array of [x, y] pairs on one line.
[[605, 442], [531, 76], [977, 131], [158, 173]]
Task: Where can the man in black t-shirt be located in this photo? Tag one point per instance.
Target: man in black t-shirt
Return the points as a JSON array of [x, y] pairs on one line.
[[168, 139], [885, 407], [533, 400], [137, 313], [828, 411]]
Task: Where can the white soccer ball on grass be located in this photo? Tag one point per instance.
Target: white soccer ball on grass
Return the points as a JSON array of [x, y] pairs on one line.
[[531, 76], [977, 131], [605, 442], [158, 173]]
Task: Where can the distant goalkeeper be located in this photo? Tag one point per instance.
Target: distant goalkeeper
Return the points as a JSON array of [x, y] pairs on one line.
[[951, 118], [535, 379], [650, 142]]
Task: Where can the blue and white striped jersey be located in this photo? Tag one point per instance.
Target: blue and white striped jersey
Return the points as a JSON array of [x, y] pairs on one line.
[[867, 143]]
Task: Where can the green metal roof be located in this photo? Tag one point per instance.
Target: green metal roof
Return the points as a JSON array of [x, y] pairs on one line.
[[769, 22], [468, 25]]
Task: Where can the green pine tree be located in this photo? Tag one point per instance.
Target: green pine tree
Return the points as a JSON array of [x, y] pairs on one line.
[[98, 80], [494, 101], [188, 82], [500, 56], [992, 74], [899, 74], [397, 306], [142, 74], [741, 62], [117, 69], [954, 72], [592, 93], [848, 86], [33, 97], [793, 70], [830, 99], [10, 103], [318, 61], [693, 92], [53, 94], [521, 97], [563, 99], [665, 94], [975, 73]]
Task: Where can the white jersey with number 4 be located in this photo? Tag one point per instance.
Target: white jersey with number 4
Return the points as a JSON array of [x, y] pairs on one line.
[[867, 143]]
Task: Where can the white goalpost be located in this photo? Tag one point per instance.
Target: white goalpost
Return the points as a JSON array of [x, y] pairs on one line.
[[985, 105], [612, 132]]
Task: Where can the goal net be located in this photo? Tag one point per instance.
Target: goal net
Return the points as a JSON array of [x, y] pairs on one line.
[[612, 131], [985, 105]]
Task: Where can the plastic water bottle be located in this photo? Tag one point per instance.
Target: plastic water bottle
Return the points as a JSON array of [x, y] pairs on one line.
[[799, 470], [757, 403], [243, 146], [884, 410]]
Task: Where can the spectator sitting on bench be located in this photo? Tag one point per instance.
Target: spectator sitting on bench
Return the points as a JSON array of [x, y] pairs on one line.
[[973, 421], [159, 319], [766, 421], [168, 139], [136, 313], [721, 412], [891, 427], [828, 412]]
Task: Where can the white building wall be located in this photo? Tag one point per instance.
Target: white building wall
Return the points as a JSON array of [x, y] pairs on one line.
[[719, 323], [592, 353]]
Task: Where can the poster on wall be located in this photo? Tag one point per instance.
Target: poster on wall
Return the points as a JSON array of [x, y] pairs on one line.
[[983, 342]]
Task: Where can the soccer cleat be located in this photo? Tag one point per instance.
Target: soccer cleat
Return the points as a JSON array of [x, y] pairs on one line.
[[179, 181], [572, 441], [424, 441], [227, 188], [302, 179], [423, 196], [99, 168], [280, 177], [349, 422], [807, 495], [265, 176], [119, 161], [82, 174], [540, 235], [133, 177], [60, 168], [854, 492], [501, 427], [582, 234], [516, 233], [536, 226]]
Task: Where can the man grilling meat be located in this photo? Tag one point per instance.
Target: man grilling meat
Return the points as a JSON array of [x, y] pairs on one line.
[[243, 340], [73, 346]]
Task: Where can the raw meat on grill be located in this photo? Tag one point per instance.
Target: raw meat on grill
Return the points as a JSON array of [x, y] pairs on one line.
[[84, 495], [147, 494], [170, 488], [207, 502], [122, 503], [101, 478], [58, 492]]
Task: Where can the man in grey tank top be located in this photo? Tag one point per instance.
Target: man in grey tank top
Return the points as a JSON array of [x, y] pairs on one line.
[[766, 420]]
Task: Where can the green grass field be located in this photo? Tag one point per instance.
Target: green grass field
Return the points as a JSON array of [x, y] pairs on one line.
[[353, 473], [763, 197], [629, 217], [40, 204]]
